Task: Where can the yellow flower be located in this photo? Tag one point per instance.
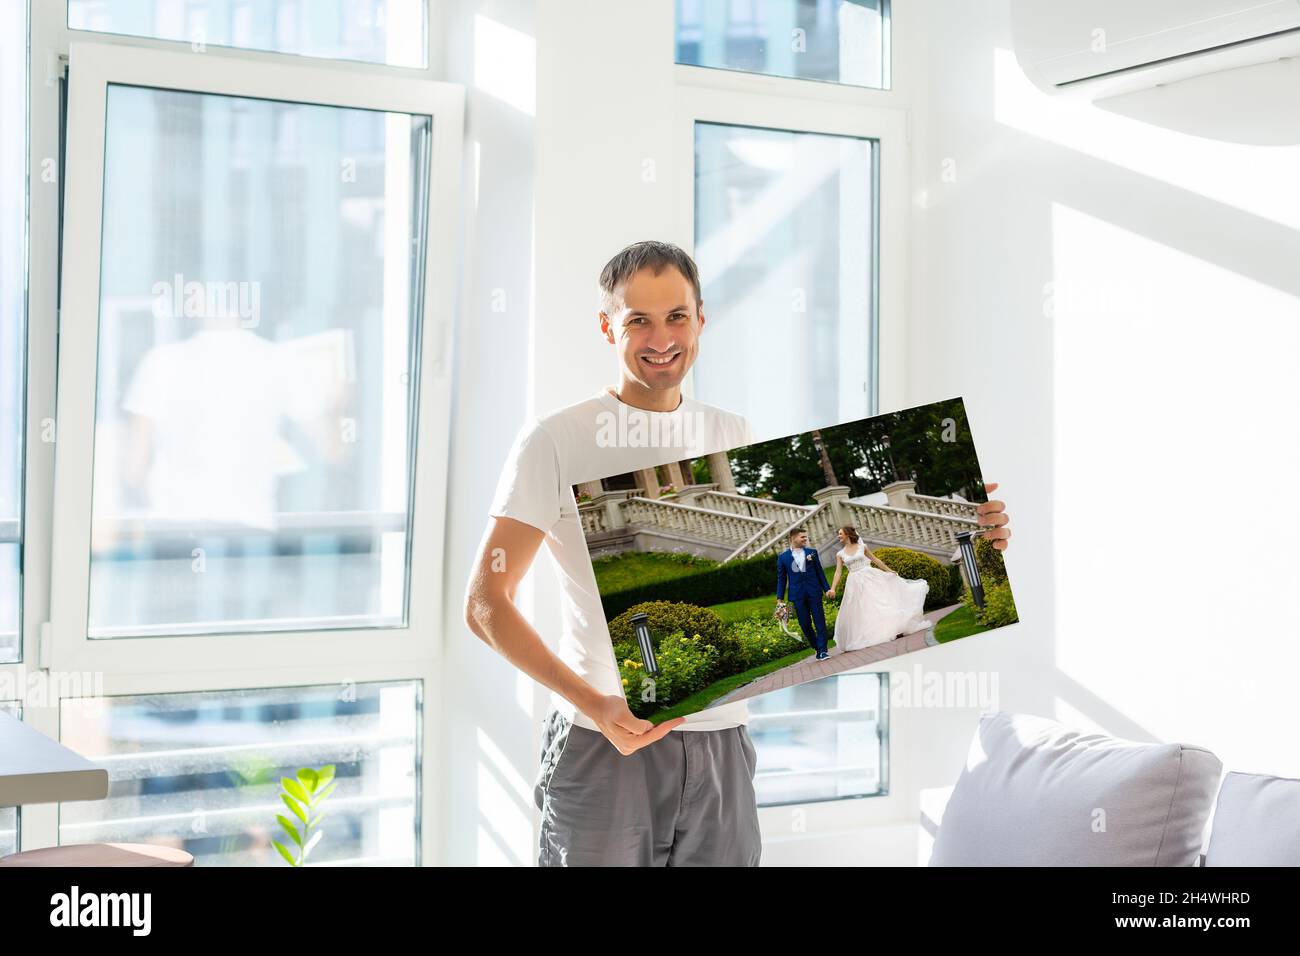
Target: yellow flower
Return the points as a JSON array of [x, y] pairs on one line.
[[624, 681]]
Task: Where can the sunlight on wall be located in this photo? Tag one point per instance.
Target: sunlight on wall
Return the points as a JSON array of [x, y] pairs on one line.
[[1176, 466], [505, 62], [1244, 177], [505, 808]]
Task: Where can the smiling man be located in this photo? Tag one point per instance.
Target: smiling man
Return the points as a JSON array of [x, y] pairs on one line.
[[615, 789]]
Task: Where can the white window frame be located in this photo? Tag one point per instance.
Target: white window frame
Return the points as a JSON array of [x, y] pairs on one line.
[[704, 94], [56, 560], [429, 71], [92, 68]]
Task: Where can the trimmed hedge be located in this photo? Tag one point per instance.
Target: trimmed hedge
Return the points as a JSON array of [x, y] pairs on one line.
[[955, 583], [686, 665], [916, 566], [762, 640], [989, 561], [668, 617], [999, 606], [733, 581]]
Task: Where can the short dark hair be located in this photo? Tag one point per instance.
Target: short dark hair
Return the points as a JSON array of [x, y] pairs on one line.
[[649, 254], [795, 531]]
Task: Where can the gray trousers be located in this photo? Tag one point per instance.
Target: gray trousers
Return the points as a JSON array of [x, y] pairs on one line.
[[685, 800]]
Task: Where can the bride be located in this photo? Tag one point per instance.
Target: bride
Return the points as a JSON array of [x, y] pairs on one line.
[[878, 603]]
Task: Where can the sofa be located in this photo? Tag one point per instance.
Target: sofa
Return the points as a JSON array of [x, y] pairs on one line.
[[1035, 792]]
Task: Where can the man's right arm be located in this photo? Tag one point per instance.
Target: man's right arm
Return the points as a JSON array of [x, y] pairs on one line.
[[504, 557], [780, 579]]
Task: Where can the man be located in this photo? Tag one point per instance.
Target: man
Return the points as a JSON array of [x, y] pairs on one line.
[[614, 789], [799, 570]]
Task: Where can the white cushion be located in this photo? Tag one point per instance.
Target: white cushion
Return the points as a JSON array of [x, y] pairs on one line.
[[1036, 793], [1256, 822]]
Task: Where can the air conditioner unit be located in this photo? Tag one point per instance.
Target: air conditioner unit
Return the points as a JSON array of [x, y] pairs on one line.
[[1107, 47]]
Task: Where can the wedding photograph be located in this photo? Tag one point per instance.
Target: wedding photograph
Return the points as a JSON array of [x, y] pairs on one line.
[[765, 566]]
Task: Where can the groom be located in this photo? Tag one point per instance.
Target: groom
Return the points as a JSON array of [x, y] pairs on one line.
[[800, 567]]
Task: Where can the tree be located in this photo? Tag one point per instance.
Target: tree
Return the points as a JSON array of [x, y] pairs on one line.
[[827, 471], [930, 444]]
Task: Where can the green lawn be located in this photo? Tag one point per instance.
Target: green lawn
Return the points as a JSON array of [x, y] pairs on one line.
[[960, 623], [645, 567], [733, 611]]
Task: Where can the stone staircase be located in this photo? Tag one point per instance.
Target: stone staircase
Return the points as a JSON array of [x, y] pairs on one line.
[[726, 526]]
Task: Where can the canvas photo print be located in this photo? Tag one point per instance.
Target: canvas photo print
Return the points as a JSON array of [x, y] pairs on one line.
[[746, 571]]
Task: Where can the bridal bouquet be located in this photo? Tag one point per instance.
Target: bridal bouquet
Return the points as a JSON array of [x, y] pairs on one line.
[[782, 615]]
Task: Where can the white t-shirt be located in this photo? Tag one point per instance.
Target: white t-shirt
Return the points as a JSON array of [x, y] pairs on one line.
[[598, 438]]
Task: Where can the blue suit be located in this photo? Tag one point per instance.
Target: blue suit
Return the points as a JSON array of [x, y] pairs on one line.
[[806, 589]]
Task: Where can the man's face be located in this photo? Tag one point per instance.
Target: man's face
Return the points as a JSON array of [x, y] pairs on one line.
[[800, 540], [657, 329]]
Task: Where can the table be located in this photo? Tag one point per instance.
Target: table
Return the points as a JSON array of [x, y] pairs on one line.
[[36, 769]]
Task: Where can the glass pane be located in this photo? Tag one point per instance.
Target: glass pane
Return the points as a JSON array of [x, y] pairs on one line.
[[840, 41], [785, 241], [822, 740], [10, 817], [394, 32], [13, 241], [259, 290], [201, 772]]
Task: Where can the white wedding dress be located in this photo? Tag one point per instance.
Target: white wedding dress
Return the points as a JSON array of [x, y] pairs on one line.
[[877, 605]]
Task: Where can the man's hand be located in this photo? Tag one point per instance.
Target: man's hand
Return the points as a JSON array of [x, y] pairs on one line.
[[624, 729], [830, 594], [993, 515]]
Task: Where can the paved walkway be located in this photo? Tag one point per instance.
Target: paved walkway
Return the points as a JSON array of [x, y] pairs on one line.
[[812, 669]]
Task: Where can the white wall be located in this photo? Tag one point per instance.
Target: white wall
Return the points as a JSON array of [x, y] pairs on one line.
[[1117, 302], [486, 750]]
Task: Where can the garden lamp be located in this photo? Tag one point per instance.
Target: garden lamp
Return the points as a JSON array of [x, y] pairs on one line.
[[966, 543], [640, 624]]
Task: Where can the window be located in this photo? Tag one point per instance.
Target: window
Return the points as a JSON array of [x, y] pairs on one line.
[[13, 308], [393, 32], [786, 246], [201, 772], [10, 817], [255, 381], [258, 402], [824, 740], [840, 41], [254, 257]]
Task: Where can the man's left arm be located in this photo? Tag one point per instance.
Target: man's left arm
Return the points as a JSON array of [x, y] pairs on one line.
[[821, 574]]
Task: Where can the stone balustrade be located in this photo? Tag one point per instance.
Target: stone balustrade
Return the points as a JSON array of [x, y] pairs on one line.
[[690, 520], [753, 526], [910, 529], [941, 506], [763, 508]]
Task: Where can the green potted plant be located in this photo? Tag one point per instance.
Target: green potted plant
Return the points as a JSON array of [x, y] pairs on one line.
[[304, 797]]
